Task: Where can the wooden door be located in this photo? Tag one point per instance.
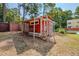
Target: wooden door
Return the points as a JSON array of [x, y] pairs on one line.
[[26, 27], [50, 27]]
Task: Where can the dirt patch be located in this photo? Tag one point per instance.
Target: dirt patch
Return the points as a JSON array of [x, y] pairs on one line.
[[24, 43], [15, 43]]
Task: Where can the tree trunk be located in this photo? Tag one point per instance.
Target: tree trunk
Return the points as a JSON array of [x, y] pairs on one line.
[[23, 16], [4, 12]]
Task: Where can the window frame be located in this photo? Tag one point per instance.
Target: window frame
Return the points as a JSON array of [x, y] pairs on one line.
[[32, 22], [69, 22], [69, 26]]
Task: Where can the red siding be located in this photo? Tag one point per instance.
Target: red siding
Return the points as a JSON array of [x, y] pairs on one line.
[[75, 29], [37, 26]]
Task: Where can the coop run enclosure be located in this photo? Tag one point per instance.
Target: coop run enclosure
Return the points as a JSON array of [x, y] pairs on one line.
[[40, 27]]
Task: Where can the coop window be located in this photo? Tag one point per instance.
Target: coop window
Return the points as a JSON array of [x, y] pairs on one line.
[[69, 26], [69, 22], [77, 26], [78, 22], [32, 22]]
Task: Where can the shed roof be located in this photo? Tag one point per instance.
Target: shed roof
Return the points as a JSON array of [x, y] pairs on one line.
[[38, 18]]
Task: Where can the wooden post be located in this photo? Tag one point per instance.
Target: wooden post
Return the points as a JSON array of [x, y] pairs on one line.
[[44, 25], [53, 33], [41, 25], [47, 25], [34, 30]]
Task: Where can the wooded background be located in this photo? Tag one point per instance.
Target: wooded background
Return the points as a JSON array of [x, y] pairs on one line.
[[30, 10]]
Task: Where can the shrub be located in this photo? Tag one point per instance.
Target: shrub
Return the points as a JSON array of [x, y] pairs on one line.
[[61, 30]]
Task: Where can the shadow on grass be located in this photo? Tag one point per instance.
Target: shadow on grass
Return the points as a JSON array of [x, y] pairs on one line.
[[24, 42]]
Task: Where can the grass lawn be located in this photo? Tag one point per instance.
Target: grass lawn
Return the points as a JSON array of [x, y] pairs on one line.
[[75, 43], [73, 36]]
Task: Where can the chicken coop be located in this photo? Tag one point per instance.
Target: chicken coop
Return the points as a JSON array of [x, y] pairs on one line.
[[41, 27]]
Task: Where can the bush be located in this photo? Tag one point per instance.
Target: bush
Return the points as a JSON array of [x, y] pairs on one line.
[[61, 30]]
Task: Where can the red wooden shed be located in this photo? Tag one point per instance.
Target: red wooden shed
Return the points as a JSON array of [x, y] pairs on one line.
[[41, 26]]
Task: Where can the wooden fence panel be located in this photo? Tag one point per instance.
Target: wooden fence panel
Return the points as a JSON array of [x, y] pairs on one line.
[[4, 27], [14, 27]]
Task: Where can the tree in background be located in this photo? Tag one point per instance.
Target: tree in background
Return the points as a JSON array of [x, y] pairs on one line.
[[66, 15], [55, 13], [8, 14], [47, 7], [12, 15], [60, 16], [4, 12], [33, 9], [1, 12], [77, 12]]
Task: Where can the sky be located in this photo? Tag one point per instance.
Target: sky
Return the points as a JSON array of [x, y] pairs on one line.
[[12, 5], [68, 6]]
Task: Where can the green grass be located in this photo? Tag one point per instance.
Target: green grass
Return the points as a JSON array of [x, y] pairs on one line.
[[73, 36], [74, 44]]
